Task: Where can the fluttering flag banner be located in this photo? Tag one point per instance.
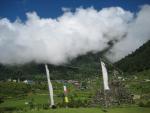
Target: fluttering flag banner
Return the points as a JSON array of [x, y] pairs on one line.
[[65, 93], [105, 76], [65, 89], [49, 86], [66, 99]]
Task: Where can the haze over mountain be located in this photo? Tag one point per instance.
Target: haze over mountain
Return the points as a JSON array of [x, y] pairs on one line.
[[137, 61], [81, 67]]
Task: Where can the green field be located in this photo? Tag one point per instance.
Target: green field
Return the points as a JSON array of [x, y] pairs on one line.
[[20, 103], [19, 97], [95, 110]]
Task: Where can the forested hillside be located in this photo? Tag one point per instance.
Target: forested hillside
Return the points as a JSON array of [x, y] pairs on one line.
[[137, 61], [81, 67]]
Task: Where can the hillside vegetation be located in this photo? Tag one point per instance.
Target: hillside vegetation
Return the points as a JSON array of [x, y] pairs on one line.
[[137, 61], [81, 67]]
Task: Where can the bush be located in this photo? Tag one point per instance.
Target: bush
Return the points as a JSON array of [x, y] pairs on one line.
[[147, 104], [74, 103], [1, 100], [46, 106], [8, 109], [141, 104]]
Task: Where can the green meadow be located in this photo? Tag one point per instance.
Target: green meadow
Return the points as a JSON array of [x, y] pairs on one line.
[[94, 110]]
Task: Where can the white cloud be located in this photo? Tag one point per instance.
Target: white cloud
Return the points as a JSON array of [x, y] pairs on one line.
[[138, 33], [55, 41]]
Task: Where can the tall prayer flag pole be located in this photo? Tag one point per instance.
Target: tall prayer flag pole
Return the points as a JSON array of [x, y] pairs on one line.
[[105, 76], [65, 95], [50, 87], [105, 80]]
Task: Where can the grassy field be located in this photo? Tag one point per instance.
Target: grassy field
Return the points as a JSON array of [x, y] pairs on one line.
[[94, 110], [40, 97]]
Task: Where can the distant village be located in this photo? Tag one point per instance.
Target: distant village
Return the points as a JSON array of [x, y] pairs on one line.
[[74, 82]]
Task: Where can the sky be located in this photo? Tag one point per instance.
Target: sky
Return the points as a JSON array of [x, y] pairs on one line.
[[13, 9], [57, 31]]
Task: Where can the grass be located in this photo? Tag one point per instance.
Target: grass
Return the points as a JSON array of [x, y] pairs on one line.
[[94, 110], [20, 103], [42, 97]]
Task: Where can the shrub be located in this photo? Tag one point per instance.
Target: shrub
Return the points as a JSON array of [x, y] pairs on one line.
[[147, 104], [141, 104], [1, 100]]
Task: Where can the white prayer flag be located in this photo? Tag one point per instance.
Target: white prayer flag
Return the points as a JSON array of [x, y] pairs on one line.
[[49, 86], [105, 76], [65, 88]]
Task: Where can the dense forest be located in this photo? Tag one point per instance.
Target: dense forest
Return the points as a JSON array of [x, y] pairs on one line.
[[137, 61], [81, 67]]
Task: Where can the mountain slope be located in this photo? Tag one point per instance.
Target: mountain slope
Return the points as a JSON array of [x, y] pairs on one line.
[[137, 61], [80, 68]]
